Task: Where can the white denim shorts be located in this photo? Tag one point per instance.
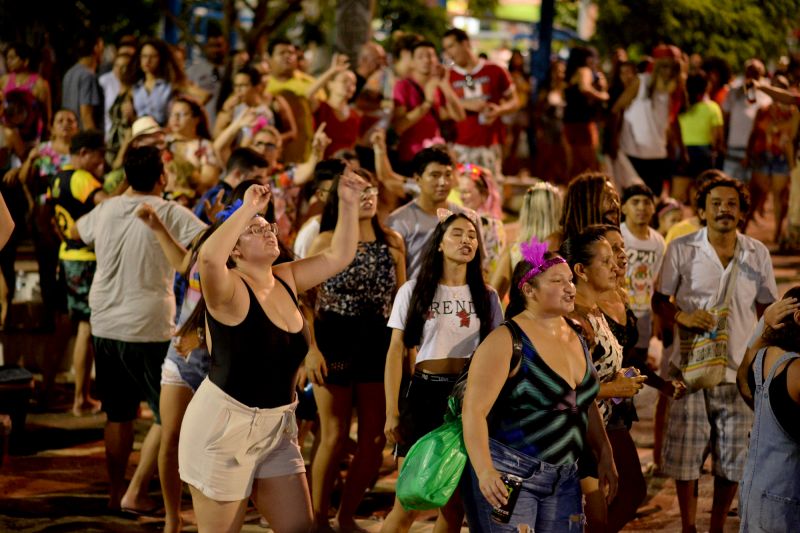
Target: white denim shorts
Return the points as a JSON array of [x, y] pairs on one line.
[[225, 445]]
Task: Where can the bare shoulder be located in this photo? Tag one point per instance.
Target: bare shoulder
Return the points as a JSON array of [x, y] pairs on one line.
[[285, 272]]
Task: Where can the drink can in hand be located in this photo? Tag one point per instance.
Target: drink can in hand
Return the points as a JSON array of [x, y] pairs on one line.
[[513, 485]]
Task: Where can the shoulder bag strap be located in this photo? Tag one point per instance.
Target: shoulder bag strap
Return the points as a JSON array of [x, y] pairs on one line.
[[729, 286]]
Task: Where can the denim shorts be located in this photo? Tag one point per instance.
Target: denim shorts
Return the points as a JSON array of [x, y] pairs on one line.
[[550, 499], [185, 371], [733, 165], [771, 165]]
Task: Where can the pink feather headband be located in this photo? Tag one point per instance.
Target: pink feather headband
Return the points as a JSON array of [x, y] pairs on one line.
[[533, 252]]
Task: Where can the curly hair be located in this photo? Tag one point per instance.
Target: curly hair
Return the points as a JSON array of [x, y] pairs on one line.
[[168, 67], [723, 180]]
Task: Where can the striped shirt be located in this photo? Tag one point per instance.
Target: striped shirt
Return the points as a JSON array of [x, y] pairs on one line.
[[543, 416]]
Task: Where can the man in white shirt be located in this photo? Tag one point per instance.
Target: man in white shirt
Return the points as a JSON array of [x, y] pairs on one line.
[[696, 269], [645, 249]]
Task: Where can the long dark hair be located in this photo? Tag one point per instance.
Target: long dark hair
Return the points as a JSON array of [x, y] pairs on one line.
[[786, 338], [578, 57], [168, 67], [197, 112], [583, 203], [516, 298], [430, 274], [330, 212]]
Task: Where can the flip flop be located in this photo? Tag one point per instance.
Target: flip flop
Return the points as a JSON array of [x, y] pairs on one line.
[[154, 511]]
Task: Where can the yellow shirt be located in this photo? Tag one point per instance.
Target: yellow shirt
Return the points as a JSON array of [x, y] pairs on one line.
[[684, 227], [698, 122], [70, 205]]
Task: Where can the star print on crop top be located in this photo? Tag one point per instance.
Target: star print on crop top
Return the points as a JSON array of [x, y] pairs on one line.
[[452, 330]]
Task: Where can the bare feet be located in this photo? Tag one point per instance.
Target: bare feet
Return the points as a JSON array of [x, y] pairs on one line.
[[141, 506], [89, 406]]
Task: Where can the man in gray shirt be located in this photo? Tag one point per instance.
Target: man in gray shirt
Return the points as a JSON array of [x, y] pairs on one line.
[[415, 221], [132, 314], [81, 93]]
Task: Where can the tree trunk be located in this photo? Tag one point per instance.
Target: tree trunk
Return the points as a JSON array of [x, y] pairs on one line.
[[353, 26]]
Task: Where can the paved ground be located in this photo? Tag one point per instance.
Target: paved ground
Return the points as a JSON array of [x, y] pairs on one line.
[[55, 480]]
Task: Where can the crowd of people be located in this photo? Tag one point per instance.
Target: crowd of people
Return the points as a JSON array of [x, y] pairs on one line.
[[345, 234]]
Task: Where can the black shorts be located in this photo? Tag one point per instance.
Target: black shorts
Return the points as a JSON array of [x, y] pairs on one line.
[[127, 373], [422, 407], [354, 348]]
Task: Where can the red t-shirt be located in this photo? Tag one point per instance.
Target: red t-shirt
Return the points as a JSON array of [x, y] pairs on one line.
[[343, 133], [408, 94], [489, 82]]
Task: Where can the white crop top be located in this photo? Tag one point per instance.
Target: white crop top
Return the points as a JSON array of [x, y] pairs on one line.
[[452, 329]]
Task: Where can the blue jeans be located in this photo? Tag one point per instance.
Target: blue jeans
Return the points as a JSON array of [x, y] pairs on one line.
[[550, 499]]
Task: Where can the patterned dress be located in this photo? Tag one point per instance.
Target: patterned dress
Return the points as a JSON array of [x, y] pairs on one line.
[[606, 355]]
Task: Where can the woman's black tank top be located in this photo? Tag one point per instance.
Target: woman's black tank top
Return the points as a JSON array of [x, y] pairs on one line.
[[256, 362]]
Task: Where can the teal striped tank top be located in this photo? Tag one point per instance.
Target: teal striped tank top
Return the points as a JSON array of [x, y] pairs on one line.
[[542, 416]]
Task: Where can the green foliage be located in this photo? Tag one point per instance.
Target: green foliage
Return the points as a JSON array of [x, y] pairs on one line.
[[413, 16], [732, 29], [567, 14]]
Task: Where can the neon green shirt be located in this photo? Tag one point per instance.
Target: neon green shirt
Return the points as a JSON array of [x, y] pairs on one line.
[[698, 122]]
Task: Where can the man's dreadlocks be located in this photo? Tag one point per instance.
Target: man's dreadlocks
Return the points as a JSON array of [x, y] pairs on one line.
[[583, 203]]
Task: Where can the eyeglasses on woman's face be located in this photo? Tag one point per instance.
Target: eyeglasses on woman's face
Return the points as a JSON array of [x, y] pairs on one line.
[[369, 192], [262, 229]]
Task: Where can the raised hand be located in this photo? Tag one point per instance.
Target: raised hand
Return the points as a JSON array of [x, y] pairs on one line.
[[378, 139], [777, 311], [320, 141], [350, 187], [339, 63], [213, 208], [257, 197]]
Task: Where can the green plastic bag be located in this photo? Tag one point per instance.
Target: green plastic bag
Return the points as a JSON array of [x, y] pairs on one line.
[[433, 467]]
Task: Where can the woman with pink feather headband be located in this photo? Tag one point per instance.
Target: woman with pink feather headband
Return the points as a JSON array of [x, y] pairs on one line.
[[543, 412]]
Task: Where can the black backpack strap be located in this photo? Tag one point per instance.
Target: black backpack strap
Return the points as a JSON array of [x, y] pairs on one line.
[[516, 343]]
